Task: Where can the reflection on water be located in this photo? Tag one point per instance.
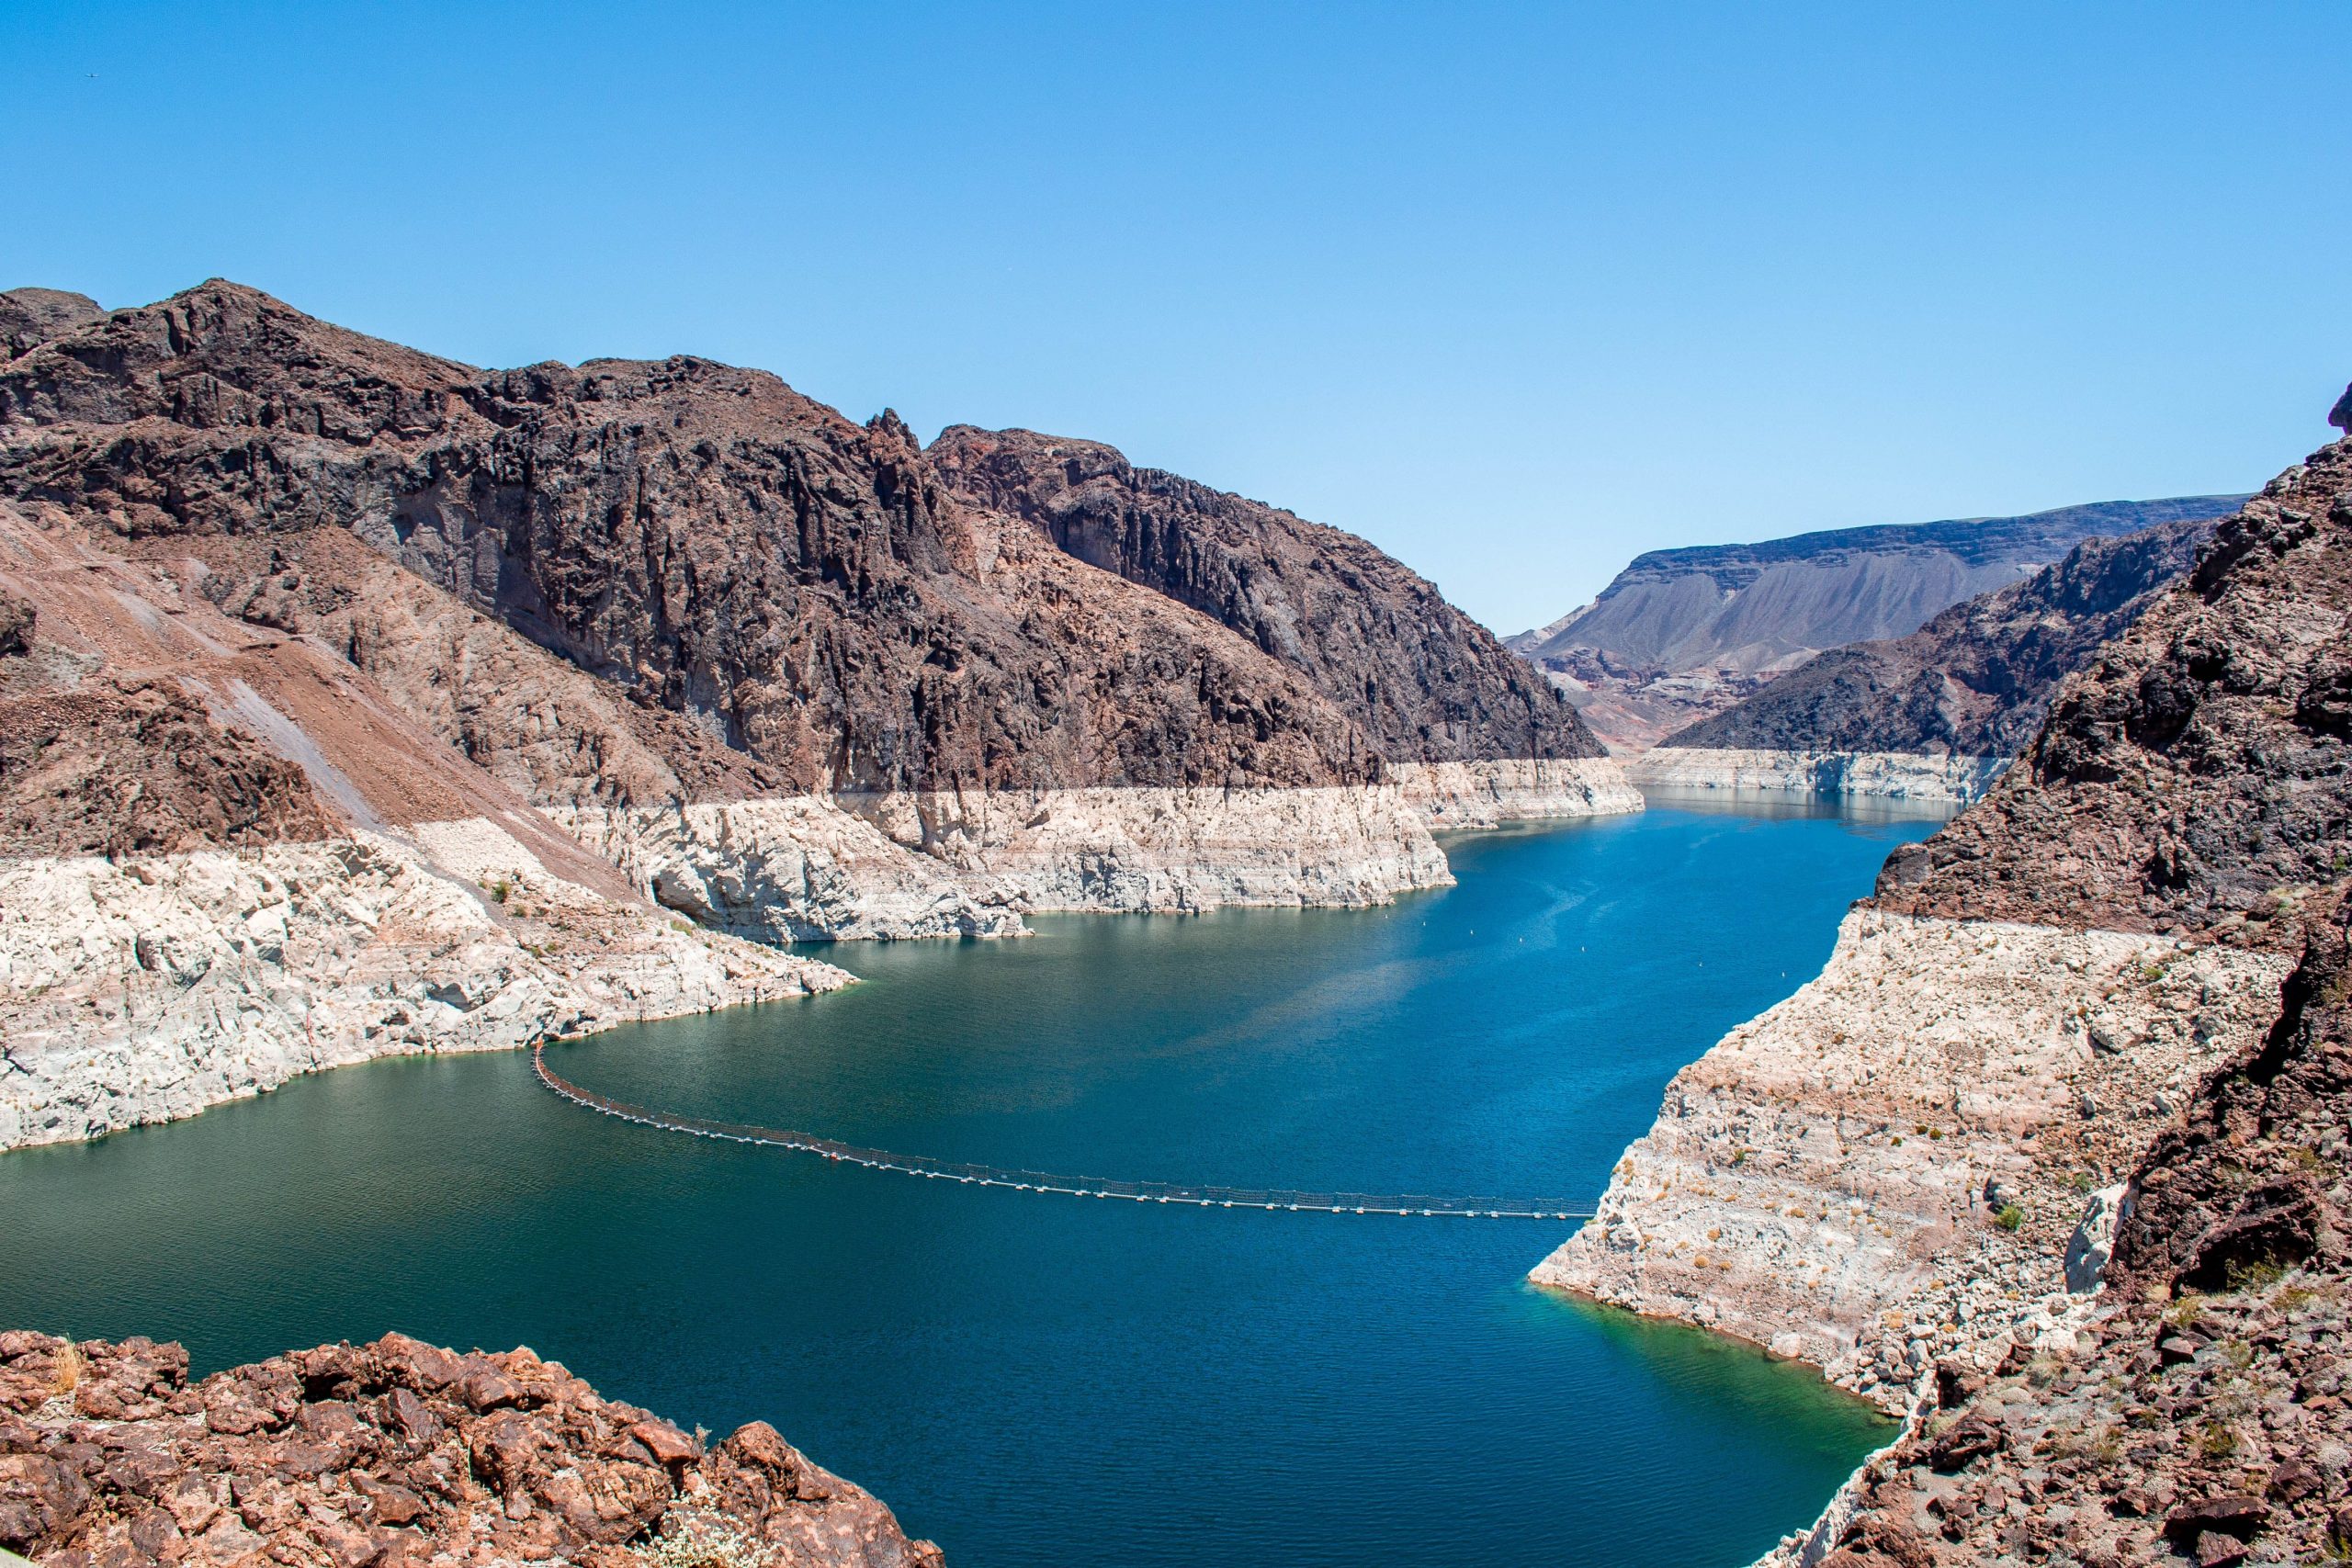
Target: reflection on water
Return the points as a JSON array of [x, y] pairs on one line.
[[1049, 1381], [1788, 804]]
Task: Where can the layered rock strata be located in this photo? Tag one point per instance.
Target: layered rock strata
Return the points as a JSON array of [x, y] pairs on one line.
[[1682, 635], [1828, 1180], [397, 1454], [1961, 696], [2110, 925], [1890, 775], [2202, 1413]]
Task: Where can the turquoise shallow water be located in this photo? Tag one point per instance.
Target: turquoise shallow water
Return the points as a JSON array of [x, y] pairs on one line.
[[1047, 1381]]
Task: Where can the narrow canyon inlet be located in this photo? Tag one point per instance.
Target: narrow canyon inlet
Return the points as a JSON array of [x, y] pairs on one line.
[[1038, 1380]]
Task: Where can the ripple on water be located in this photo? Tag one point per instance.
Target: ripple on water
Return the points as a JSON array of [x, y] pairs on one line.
[[1047, 1381]]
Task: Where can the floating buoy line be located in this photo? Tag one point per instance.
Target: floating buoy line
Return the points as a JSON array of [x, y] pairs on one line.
[[1415, 1205]]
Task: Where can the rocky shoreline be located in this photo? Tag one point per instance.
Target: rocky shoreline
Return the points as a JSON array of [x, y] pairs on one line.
[[1830, 1180], [1891, 775], [2051, 1161], [397, 1454]]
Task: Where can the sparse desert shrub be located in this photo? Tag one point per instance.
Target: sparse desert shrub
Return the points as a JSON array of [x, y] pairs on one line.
[[702, 1538], [2010, 1218]]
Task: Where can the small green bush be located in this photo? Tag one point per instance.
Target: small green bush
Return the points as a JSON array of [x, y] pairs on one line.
[[2010, 1218]]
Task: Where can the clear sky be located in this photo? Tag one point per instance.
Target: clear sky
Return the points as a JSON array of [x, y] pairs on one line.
[[1516, 293]]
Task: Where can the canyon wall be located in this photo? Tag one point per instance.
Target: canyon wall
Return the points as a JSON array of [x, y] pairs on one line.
[[1682, 635], [396, 704], [1887, 775], [1941, 1172], [1959, 698]]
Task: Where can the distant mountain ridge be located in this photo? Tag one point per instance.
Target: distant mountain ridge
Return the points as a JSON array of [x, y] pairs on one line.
[[1682, 634], [1976, 681]]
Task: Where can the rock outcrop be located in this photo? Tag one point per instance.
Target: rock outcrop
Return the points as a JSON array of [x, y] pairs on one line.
[[396, 1454], [2116, 977], [2201, 1416], [30, 316], [1682, 635], [480, 680], [1886, 776], [803, 588], [1422, 680], [2201, 766], [1974, 683], [1830, 1180]]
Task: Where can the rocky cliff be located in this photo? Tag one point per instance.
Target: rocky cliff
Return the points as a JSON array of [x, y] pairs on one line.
[[1422, 680], [1682, 635], [2107, 979], [468, 683], [395, 1455], [1972, 686]]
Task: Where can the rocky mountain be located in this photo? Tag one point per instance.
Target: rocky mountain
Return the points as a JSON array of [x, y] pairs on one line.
[[321, 629], [1680, 635], [2052, 1160], [1961, 695], [396, 1454], [1423, 681]]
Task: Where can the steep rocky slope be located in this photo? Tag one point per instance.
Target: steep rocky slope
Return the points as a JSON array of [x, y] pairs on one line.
[[1680, 635], [2081, 993], [2201, 1416], [227, 856], [1426, 682], [1968, 690], [394, 1454], [454, 680]]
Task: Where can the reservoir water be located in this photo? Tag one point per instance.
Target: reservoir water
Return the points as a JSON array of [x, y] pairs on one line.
[[1040, 1381]]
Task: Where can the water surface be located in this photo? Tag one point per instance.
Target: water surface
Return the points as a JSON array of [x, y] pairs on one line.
[[1049, 1381]]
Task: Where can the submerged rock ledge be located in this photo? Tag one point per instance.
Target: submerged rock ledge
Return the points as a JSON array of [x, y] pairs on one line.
[[394, 1455]]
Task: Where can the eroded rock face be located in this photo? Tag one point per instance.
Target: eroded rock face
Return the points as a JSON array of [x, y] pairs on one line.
[[803, 588], [2201, 1415], [2201, 765], [1887, 775], [1423, 681], [1976, 680], [149, 986], [394, 1453], [140, 767], [1831, 1179]]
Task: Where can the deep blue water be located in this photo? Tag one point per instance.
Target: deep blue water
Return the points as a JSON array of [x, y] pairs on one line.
[[1048, 1381]]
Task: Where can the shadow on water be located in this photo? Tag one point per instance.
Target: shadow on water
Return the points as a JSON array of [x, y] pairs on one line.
[[1042, 1380]]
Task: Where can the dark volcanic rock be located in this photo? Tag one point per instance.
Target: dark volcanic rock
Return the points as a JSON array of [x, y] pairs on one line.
[[1426, 681], [123, 768], [31, 316], [1974, 682], [391, 1454], [795, 586], [2232, 1443], [17, 621], [2197, 770]]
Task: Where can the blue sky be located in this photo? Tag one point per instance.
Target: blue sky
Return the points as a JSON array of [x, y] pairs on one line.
[[1516, 293]]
